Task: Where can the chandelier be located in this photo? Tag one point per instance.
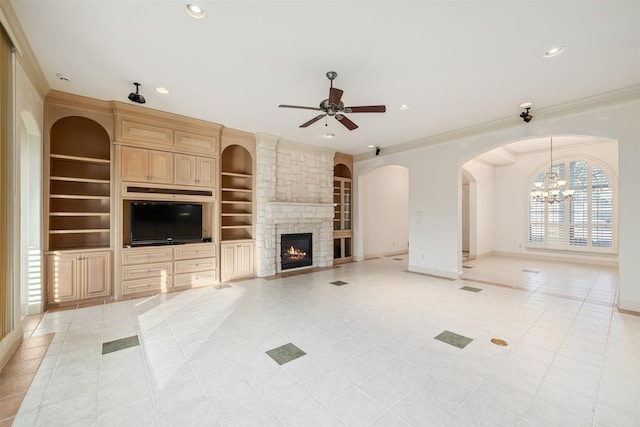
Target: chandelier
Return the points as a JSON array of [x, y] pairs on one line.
[[551, 189]]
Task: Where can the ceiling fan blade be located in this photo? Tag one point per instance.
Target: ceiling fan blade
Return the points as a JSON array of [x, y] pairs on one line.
[[334, 95], [367, 109], [297, 106], [346, 122], [312, 121]]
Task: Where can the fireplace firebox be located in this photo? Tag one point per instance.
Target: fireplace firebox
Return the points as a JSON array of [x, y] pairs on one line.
[[296, 250]]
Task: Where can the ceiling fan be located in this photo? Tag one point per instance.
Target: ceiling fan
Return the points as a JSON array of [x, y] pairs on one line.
[[333, 106]]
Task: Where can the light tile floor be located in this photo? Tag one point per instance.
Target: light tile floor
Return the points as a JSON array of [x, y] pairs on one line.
[[371, 358]]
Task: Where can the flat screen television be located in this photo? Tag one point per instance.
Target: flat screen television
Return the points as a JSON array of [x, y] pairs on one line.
[[159, 223]]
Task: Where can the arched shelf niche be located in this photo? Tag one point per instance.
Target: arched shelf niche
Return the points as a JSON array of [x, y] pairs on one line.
[[236, 197], [79, 190]]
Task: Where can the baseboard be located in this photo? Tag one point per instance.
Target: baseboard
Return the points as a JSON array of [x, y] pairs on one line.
[[385, 254], [629, 307], [590, 259], [433, 272], [9, 344]]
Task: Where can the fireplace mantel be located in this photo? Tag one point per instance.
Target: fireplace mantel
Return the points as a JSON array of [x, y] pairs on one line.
[[278, 212]]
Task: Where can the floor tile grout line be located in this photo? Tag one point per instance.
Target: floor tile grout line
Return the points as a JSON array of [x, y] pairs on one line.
[[539, 291], [555, 356], [146, 366], [604, 363]]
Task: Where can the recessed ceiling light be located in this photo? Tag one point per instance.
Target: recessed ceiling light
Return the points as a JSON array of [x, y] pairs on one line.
[[370, 146], [329, 135], [526, 104], [404, 107], [554, 51], [162, 90], [195, 11]]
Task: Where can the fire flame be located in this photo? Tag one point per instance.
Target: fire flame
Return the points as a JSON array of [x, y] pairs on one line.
[[295, 254]]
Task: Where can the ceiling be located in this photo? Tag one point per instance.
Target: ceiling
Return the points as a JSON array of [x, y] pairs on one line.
[[455, 63]]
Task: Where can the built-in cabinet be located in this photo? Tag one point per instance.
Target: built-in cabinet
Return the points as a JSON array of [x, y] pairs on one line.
[[154, 269], [162, 167], [194, 170], [237, 205], [77, 198], [166, 158], [343, 210], [73, 275], [100, 157], [143, 165], [237, 260]]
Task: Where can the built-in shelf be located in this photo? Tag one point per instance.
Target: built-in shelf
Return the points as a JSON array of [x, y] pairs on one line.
[[77, 179], [236, 194], [78, 214], [79, 192], [80, 159], [78, 231], [342, 218]]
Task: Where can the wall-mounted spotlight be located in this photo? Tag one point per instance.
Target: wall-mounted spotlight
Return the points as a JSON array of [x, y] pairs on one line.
[[136, 97], [526, 116], [377, 151]]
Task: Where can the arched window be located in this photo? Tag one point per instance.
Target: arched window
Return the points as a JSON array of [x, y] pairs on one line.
[[586, 223]]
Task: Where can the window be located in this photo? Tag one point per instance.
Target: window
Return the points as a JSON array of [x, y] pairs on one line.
[[586, 223]]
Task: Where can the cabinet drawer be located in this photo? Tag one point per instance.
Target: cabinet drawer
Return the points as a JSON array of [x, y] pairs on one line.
[[195, 279], [195, 251], [146, 255], [191, 265], [150, 284], [151, 271]]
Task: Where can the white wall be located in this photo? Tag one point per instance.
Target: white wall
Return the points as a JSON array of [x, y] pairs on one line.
[[385, 194], [434, 215]]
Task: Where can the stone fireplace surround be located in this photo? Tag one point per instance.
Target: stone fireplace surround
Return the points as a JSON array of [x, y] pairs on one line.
[[294, 194]]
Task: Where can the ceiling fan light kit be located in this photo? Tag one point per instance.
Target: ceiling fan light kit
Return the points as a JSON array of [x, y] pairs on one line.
[[334, 107]]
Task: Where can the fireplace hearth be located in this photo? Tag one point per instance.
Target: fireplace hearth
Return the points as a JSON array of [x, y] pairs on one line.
[[296, 250]]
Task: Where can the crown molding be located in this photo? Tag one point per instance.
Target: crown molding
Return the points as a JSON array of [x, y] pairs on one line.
[[24, 53], [607, 99]]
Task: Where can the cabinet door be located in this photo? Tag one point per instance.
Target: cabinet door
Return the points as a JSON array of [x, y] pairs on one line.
[[206, 172], [245, 259], [63, 277], [228, 261], [96, 277], [135, 164], [185, 169], [160, 167]]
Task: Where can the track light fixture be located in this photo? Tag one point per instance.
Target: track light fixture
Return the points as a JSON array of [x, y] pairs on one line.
[[377, 151], [136, 97], [526, 116]]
